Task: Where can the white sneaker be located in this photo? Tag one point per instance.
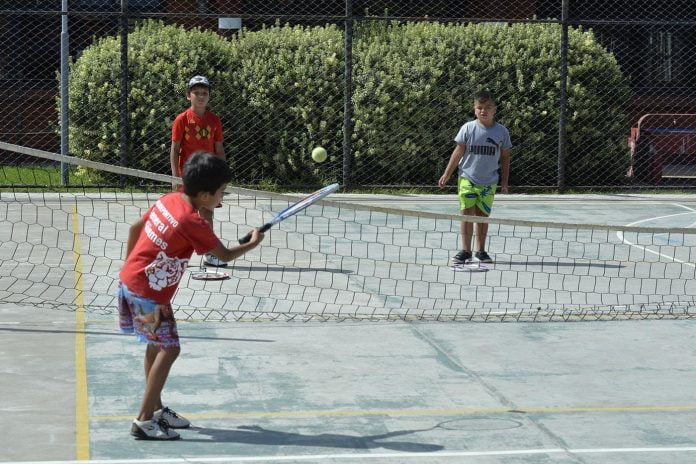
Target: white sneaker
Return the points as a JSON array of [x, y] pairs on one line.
[[174, 420], [214, 261], [153, 430]]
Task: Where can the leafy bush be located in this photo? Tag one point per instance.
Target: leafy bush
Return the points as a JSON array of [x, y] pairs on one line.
[[287, 99], [413, 91], [279, 92]]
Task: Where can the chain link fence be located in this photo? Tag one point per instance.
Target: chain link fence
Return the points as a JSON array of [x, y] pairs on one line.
[[595, 94]]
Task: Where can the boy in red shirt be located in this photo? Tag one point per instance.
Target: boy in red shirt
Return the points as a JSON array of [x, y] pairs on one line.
[[160, 245], [196, 129]]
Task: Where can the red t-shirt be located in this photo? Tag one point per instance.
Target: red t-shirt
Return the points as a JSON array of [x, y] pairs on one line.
[[196, 133], [173, 230]]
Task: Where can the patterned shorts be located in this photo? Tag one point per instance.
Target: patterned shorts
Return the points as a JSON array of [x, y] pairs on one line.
[[137, 314], [476, 194]]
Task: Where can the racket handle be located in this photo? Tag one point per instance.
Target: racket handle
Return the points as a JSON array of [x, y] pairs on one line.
[[247, 237]]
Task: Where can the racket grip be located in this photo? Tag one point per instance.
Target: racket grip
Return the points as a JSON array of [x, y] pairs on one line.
[[247, 237]]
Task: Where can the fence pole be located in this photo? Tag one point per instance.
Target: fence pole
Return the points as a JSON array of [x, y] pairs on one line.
[[124, 117], [563, 98], [64, 80], [348, 95]]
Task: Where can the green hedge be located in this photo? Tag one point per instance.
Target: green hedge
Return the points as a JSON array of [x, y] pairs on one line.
[[280, 93], [288, 98], [413, 91]]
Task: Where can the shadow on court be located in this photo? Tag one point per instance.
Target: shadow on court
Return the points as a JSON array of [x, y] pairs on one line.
[[116, 334], [257, 435]]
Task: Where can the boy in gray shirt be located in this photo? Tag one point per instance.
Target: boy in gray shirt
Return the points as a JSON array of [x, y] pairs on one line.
[[482, 155]]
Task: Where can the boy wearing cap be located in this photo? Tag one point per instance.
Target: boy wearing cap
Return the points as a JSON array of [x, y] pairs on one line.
[[194, 130]]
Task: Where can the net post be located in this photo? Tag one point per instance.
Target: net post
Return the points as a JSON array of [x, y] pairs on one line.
[[124, 119], [64, 81], [563, 97], [348, 94]]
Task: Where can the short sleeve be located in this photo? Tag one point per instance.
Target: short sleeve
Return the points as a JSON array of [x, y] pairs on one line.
[[219, 136], [199, 234], [178, 129], [507, 143], [462, 137]]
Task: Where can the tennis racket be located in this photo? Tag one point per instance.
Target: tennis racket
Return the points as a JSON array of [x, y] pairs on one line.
[[205, 274], [469, 267], [295, 208]]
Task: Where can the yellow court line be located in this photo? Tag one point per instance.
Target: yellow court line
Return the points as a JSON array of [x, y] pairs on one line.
[[81, 399], [418, 412]]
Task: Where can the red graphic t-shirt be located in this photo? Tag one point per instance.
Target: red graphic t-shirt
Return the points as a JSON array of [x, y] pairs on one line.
[[196, 133], [173, 230]]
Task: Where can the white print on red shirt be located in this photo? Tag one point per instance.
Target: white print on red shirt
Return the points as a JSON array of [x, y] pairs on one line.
[[160, 226], [165, 271]]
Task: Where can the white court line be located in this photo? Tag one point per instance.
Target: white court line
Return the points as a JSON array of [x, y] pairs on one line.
[[690, 209], [620, 235], [368, 456]]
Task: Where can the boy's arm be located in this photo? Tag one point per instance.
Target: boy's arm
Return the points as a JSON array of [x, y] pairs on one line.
[[133, 234], [504, 169], [174, 161], [219, 150], [457, 154], [228, 254]]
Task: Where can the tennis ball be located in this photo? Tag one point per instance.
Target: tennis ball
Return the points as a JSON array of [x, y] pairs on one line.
[[319, 154]]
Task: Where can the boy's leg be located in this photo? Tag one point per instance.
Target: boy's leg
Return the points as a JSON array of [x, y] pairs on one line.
[[480, 231], [484, 205], [150, 356], [467, 228], [158, 362], [467, 205]]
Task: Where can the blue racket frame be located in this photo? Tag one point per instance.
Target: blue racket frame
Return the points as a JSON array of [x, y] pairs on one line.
[[295, 208]]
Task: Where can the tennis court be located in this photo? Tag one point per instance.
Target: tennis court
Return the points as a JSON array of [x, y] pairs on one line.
[[358, 352], [351, 335]]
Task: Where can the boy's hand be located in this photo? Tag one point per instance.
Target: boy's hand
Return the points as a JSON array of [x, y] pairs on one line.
[[256, 236], [443, 181], [175, 186]]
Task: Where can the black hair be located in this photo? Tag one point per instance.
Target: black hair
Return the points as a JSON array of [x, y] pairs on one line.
[[484, 96], [205, 172]]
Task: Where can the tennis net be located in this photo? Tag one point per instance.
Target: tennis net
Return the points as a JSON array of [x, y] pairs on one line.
[[63, 248]]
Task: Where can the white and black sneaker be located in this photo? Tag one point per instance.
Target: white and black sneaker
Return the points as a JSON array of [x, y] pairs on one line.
[[483, 257], [213, 261], [174, 420], [153, 430], [463, 257]]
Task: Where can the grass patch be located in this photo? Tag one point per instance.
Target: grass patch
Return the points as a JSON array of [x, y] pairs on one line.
[[21, 176]]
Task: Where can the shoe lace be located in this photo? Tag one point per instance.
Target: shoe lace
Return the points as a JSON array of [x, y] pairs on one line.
[[166, 410], [164, 425]]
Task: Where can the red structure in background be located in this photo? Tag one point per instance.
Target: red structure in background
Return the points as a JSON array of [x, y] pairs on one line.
[[663, 145]]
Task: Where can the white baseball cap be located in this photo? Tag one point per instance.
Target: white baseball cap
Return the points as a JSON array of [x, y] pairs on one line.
[[198, 80]]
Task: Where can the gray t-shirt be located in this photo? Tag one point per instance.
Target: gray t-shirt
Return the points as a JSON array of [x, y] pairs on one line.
[[481, 159]]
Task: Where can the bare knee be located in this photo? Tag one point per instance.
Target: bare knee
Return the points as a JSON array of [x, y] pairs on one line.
[[470, 211], [479, 212], [174, 351], [170, 353]]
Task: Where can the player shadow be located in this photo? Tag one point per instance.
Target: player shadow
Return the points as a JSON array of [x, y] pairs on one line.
[[280, 268], [559, 265], [119, 334], [257, 435]]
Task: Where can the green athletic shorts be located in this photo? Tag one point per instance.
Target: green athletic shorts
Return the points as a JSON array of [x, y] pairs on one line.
[[473, 194]]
